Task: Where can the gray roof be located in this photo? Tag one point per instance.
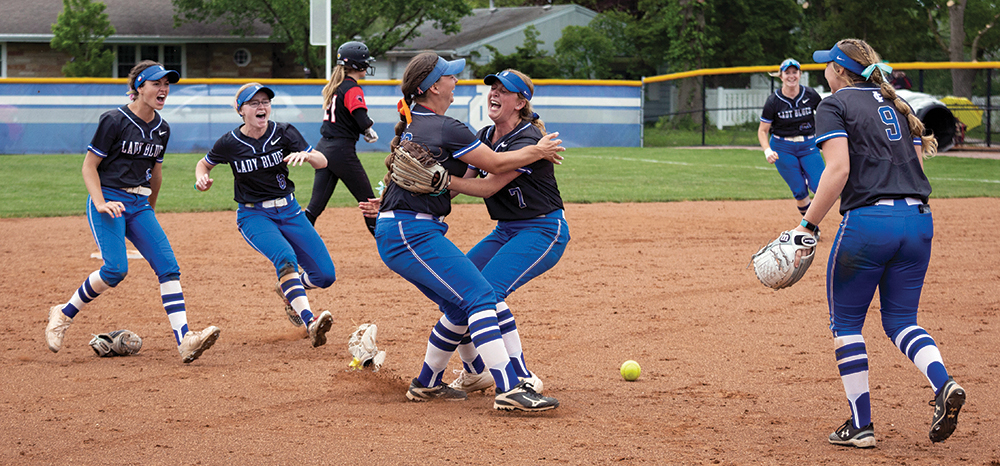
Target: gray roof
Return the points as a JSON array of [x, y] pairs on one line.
[[31, 21], [483, 23]]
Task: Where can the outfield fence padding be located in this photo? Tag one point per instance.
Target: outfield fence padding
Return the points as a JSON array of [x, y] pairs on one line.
[[46, 116]]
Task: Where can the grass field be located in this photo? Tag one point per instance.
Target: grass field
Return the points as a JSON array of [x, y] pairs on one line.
[[51, 185]]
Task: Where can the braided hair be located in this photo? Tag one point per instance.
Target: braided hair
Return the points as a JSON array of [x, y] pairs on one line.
[[859, 51]]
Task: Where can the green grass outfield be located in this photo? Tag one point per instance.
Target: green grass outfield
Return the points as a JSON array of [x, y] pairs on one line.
[[51, 185]]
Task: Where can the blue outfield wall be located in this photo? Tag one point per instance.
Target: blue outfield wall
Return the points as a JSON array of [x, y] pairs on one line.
[[52, 118]]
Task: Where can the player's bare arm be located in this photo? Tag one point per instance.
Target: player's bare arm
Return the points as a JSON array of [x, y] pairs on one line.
[[482, 187], [370, 207], [838, 167], [202, 174], [764, 136], [548, 148], [313, 157], [93, 183]]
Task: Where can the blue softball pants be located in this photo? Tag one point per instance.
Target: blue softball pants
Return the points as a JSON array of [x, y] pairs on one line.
[[517, 251], [138, 223], [799, 164], [414, 246], [881, 246], [286, 238]]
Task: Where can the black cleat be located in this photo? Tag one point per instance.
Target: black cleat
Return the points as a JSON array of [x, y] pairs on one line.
[[848, 436], [947, 404]]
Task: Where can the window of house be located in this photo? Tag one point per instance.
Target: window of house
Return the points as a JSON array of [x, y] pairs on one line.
[[172, 57], [241, 57]]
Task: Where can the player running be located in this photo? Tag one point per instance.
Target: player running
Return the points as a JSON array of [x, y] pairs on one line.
[[874, 147], [788, 117], [123, 172], [259, 152], [345, 118], [531, 232]]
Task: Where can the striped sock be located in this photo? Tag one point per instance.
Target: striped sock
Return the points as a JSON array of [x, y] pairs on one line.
[[511, 339], [173, 303], [91, 288], [471, 361], [804, 209], [441, 344], [920, 348], [304, 278], [485, 333], [295, 292], [852, 361]]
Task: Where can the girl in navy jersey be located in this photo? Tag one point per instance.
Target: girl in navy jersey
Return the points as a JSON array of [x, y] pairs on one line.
[[874, 147], [123, 173], [344, 119], [410, 236], [259, 152], [531, 232], [787, 134]]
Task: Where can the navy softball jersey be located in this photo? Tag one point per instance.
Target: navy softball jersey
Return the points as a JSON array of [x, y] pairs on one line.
[[791, 117], [259, 170], [348, 108], [446, 138], [533, 193], [884, 161], [129, 147]]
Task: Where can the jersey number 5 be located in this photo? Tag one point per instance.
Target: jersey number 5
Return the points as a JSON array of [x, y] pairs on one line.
[[888, 115]]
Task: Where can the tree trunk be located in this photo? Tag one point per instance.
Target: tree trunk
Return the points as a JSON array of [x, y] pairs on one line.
[[961, 80], [692, 28]]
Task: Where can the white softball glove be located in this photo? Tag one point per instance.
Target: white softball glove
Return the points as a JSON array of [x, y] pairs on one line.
[[362, 347], [371, 135], [775, 265], [116, 343]]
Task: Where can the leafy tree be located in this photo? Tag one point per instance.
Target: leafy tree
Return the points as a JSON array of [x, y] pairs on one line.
[[964, 30], [582, 53], [80, 31], [527, 58], [753, 32], [380, 24]]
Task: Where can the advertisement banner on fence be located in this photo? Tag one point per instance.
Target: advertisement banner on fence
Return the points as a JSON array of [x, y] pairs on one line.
[[46, 118]]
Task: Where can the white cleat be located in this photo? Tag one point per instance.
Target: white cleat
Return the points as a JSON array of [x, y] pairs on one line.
[[195, 343], [318, 328], [55, 331], [469, 382]]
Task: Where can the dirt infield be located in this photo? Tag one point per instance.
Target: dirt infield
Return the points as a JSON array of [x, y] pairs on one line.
[[733, 373]]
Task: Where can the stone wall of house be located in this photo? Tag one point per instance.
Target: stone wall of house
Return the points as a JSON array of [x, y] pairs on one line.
[[38, 60], [34, 60]]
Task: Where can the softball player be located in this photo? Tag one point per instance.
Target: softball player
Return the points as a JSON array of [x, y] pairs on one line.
[[269, 218], [410, 233], [873, 144], [531, 232], [345, 118], [123, 172], [787, 134]]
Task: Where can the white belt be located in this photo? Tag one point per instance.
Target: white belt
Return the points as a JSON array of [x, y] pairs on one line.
[[140, 190], [793, 138], [418, 216], [909, 201], [279, 202]]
